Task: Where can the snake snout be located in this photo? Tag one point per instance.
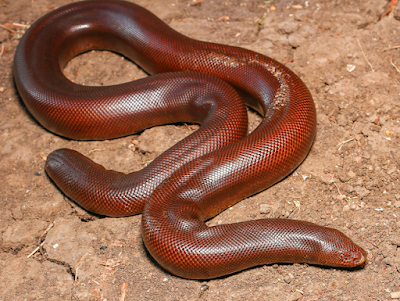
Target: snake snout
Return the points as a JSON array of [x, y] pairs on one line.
[[340, 251], [54, 160]]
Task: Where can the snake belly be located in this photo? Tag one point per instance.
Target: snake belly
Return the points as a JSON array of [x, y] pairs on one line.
[[200, 176]]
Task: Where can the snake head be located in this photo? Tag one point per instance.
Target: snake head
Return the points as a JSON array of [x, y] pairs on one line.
[[337, 250]]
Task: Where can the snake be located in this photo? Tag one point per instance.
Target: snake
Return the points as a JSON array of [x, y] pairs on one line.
[[209, 171]]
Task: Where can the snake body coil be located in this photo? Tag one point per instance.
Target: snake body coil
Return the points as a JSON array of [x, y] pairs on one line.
[[202, 175]]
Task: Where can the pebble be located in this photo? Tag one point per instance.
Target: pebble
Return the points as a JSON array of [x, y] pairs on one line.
[[351, 174], [361, 191], [288, 278], [341, 120], [265, 209], [273, 36], [299, 37], [375, 128], [300, 15], [328, 178], [391, 170], [358, 159], [330, 79], [288, 27], [395, 240], [295, 40], [395, 295], [348, 188], [343, 177]]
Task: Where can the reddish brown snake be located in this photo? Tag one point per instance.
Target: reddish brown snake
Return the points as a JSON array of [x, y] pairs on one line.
[[199, 177]]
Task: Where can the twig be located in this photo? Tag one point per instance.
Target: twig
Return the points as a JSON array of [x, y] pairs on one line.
[[1, 51], [124, 287], [260, 20], [79, 264], [338, 190], [392, 3], [390, 48], [94, 150], [224, 18], [43, 236], [9, 29], [359, 44], [371, 242], [46, 231], [391, 62], [398, 162], [21, 25], [342, 143], [34, 251]]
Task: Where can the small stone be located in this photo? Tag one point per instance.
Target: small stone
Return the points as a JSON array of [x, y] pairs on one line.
[[273, 36], [362, 192], [348, 188], [373, 119], [397, 196], [343, 177], [341, 120], [366, 156], [346, 208], [375, 128], [358, 159], [395, 295], [299, 37], [17, 213], [328, 178], [389, 261], [395, 240], [288, 27], [329, 79], [351, 174], [391, 170], [397, 204], [300, 15], [265, 209], [295, 40]]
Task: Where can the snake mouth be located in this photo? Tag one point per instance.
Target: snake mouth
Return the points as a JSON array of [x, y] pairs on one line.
[[362, 260], [355, 259]]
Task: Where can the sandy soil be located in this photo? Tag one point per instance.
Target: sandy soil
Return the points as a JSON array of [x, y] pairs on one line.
[[349, 181]]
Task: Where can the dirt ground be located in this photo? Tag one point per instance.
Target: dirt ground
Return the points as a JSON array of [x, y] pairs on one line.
[[350, 180]]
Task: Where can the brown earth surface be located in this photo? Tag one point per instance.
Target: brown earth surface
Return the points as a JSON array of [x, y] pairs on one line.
[[350, 180]]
